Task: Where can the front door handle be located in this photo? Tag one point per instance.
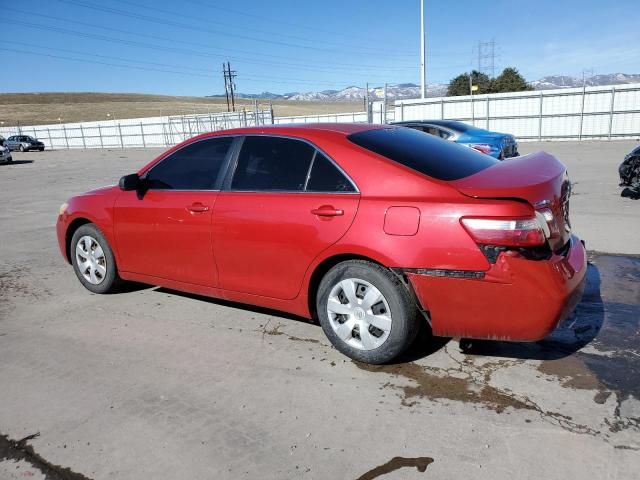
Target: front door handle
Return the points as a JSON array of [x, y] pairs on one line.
[[327, 211], [198, 208]]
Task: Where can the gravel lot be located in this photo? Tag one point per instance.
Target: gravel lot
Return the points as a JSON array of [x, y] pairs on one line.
[[158, 384]]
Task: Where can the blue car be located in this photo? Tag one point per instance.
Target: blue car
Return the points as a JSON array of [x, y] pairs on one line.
[[498, 145]]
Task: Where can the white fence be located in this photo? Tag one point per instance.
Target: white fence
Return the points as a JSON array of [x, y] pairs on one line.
[[604, 112], [138, 132]]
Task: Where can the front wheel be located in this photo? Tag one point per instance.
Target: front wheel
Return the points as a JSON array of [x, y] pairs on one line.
[[366, 312], [93, 260], [21, 148], [41, 149]]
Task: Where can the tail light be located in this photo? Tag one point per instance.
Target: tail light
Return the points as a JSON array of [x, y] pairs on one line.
[[481, 147], [510, 232], [554, 230]]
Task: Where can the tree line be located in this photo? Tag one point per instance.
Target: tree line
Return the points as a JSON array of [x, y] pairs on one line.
[[509, 80]]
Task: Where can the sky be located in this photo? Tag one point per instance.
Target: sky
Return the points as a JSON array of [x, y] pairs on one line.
[[280, 46]]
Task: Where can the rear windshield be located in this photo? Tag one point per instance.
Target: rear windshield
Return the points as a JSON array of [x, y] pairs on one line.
[[453, 125], [424, 153]]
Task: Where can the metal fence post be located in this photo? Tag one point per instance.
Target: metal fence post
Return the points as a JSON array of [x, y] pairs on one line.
[[49, 134], [66, 139], [487, 107], [120, 134], [540, 118], [144, 143], [611, 110], [84, 143], [401, 111], [584, 89], [244, 117], [441, 108], [100, 135]]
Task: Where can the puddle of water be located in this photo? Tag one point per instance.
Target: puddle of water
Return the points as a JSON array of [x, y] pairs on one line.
[[427, 383], [396, 463]]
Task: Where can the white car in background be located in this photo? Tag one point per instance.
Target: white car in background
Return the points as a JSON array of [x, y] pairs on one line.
[[5, 153]]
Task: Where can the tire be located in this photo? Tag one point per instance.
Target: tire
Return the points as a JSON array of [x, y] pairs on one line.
[[102, 280], [394, 308], [21, 148], [41, 149], [10, 160]]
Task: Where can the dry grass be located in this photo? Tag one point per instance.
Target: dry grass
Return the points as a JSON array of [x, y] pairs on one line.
[[46, 108]]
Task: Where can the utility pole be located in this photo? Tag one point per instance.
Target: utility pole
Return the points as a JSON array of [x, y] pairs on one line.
[[232, 85], [423, 52], [226, 85]]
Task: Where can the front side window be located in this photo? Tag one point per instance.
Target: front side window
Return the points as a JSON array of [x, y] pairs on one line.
[[326, 177], [272, 163], [193, 167]]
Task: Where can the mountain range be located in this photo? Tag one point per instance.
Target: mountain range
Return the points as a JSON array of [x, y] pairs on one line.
[[411, 90]]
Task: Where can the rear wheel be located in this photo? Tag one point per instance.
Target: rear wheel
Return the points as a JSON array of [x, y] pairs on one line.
[[93, 260], [366, 312]]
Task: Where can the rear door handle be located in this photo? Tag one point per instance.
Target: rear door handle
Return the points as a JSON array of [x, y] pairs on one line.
[[327, 211], [198, 208]]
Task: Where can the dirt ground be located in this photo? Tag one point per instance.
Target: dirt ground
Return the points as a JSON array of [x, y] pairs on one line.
[[154, 383], [46, 108]]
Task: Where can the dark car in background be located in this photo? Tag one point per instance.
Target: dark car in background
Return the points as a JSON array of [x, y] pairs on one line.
[[498, 145], [24, 143]]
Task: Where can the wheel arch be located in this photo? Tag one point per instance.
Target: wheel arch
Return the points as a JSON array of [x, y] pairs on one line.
[[320, 271], [71, 229]]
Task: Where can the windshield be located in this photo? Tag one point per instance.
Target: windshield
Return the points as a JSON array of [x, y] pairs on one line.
[[424, 153]]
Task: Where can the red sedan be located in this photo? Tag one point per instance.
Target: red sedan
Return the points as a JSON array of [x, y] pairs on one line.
[[373, 230]]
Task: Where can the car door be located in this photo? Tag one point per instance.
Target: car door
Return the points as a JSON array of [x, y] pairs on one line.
[[284, 204], [165, 230], [11, 143]]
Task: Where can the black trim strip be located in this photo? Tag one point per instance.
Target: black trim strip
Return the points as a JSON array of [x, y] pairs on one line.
[[439, 272]]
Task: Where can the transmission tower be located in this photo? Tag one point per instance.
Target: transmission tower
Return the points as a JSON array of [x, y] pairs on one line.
[[487, 58]]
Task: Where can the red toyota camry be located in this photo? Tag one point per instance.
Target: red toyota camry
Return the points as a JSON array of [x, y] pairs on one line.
[[372, 230]]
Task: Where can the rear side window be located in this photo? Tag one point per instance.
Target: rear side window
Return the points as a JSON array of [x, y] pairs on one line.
[[272, 163], [326, 177], [193, 167], [424, 153]]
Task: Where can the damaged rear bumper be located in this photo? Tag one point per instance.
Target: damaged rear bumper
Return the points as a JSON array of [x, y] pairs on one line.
[[516, 299]]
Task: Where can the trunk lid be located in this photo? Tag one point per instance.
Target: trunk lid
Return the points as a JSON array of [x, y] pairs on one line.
[[538, 178]]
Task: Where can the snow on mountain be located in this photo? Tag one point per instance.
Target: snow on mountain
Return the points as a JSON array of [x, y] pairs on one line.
[[564, 81], [411, 90]]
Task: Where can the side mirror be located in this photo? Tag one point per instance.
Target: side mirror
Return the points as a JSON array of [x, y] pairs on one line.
[[129, 182]]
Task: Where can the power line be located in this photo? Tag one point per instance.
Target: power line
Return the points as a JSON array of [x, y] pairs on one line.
[[190, 27], [208, 21], [184, 42], [173, 69], [164, 48]]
